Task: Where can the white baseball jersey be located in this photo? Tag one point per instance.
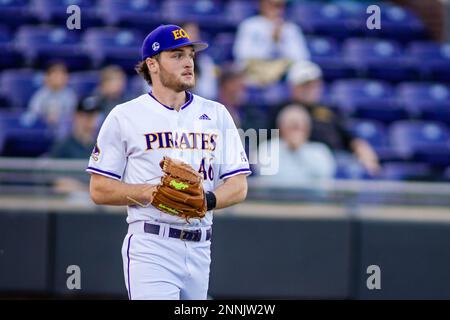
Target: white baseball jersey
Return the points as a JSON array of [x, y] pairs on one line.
[[137, 134]]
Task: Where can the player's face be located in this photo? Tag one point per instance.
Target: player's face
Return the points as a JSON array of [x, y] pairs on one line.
[[176, 69]]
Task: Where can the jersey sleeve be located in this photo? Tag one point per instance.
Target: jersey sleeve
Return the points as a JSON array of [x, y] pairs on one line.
[[108, 157], [234, 160]]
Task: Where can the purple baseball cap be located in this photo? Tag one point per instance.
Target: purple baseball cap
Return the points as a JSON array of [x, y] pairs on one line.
[[168, 37]]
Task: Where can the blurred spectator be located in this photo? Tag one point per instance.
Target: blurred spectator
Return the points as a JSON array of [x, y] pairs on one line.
[[205, 69], [112, 88], [79, 144], [300, 161], [54, 103], [267, 43], [305, 80], [232, 94]]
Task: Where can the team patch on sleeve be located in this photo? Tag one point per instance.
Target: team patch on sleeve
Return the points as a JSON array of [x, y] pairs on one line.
[[95, 152], [244, 157]]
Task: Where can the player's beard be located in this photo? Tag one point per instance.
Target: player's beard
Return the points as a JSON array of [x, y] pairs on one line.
[[169, 80]]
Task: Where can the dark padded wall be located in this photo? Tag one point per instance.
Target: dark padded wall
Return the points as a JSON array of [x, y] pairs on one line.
[[252, 257], [24, 251], [93, 242], [414, 259], [270, 258]]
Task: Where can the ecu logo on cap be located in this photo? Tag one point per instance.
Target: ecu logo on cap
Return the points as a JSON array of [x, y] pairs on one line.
[[179, 33]]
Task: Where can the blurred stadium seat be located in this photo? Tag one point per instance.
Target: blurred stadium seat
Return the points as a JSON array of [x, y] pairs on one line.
[[406, 171], [431, 59], [428, 101], [447, 174], [268, 96], [207, 13], [221, 49], [138, 86], [84, 82], [131, 13], [15, 13], [55, 11], [347, 167], [238, 10], [326, 53], [379, 59], [19, 140], [329, 19], [5, 34], [114, 46], [11, 57], [422, 141], [43, 44], [19, 85], [368, 99], [376, 134], [372, 131], [398, 23]]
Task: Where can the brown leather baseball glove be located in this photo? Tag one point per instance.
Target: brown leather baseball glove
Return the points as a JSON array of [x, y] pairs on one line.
[[181, 191]]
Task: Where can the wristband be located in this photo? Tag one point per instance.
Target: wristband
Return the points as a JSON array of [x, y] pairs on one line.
[[210, 200]]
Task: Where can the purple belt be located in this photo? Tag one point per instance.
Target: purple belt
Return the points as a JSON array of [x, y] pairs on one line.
[[188, 235]]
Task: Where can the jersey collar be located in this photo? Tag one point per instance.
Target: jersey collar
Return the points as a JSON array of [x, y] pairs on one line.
[[189, 98]]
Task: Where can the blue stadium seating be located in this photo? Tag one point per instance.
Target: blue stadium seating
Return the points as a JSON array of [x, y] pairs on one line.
[[429, 101], [367, 99], [207, 13], [114, 46], [137, 86], [11, 58], [238, 10], [326, 53], [55, 11], [378, 59], [15, 13], [406, 171], [397, 23], [142, 14], [373, 104], [5, 34], [446, 176], [84, 82], [327, 19], [422, 141], [372, 131], [43, 44], [347, 167], [376, 134], [268, 96], [221, 48], [19, 85], [18, 140], [431, 59]]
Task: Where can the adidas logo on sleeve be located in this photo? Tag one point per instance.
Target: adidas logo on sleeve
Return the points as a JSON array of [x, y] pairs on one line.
[[204, 117]]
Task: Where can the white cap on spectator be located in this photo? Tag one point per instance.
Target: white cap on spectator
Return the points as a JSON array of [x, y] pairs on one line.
[[303, 71]]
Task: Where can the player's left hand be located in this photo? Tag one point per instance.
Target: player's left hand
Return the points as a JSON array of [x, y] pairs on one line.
[[181, 191]]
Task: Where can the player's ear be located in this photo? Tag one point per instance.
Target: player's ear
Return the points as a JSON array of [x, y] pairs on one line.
[[152, 64]]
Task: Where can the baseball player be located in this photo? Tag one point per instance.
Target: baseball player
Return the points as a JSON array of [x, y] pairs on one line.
[[171, 157]]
